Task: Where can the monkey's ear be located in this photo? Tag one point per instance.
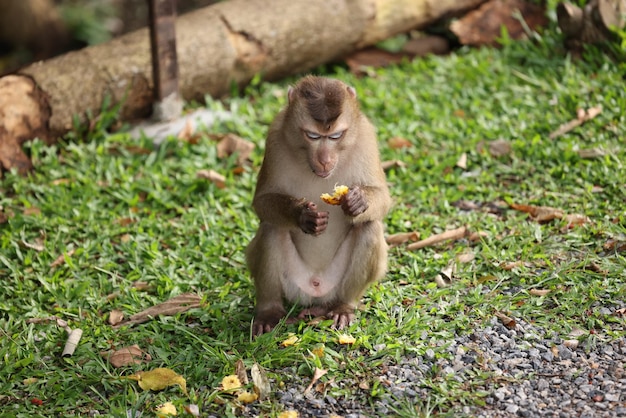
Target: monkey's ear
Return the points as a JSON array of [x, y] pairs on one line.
[[291, 94], [352, 91]]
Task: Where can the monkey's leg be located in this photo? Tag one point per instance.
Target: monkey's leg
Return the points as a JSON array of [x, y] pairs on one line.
[[266, 266], [367, 264]]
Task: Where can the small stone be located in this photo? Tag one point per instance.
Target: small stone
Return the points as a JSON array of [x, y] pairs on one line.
[[430, 354], [564, 352], [612, 397], [548, 356], [542, 384], [512, 409]]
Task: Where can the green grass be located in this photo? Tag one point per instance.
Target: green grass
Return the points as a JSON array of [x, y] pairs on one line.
[[130, 216]]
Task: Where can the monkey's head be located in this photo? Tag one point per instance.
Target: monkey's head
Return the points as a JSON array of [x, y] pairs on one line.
[[323, 114]]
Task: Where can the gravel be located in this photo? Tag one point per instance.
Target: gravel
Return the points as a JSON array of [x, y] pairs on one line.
[[534, 373]]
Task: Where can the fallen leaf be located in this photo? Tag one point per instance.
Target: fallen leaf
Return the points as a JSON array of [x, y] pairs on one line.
[[177, 304], [591, 153], [620, 312], [572, 344], [402, 237], [240, 371], [582, 116], [159, 379], [187, 132], [392, 164], [483, 25], [511, 265], [506, 321], [398, 142], [261, 382], [539, 292], [539, 213], [477, 236], [555, 351], [445, 276], [462, 161], [61, 259], [231, 382], [231, 144], [465, 257], [577, 333], [167, 409], [126, 356], [346, 339], [426, 45], [30, 381], [37, 245], [247, 397], [364, 384], [32, 211], [193, 410], [317, 374], [499, 148], [213, 176], [115, 317]]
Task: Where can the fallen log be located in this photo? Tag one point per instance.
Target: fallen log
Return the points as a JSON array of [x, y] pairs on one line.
[[219, 46]]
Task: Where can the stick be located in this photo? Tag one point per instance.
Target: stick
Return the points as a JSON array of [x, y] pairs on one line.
[[435, 239]]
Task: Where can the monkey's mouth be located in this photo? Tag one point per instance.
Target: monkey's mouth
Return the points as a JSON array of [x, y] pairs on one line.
[[322, 174]]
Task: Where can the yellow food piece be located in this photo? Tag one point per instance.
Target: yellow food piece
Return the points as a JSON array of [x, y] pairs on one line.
[[167, 409], [231, 382], [291, 340], [247, 397], [335, 198], [346, 339]]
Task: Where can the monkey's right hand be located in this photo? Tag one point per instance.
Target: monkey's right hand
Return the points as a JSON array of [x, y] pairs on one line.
[[311, 221]]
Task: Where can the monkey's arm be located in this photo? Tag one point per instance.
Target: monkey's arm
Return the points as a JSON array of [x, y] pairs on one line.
[[287, 211]]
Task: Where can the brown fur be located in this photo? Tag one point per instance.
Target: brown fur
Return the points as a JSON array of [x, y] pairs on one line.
[[323, 97]]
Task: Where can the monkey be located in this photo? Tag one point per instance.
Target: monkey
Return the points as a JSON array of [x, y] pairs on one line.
[[318, 256]]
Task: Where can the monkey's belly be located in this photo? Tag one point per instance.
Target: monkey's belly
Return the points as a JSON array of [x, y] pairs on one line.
[[313, 278]]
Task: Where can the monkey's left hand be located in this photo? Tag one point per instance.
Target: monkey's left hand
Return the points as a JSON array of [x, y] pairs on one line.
[[354, 202]]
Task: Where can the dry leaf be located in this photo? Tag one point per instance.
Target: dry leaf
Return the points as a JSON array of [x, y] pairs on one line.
[[187, 132], [291, 340], [392, 164], [571, 344], [177, 304], [620, 312], [539, 213], [240, 371], [577, 333], [231, 382], [159, 379], [402, 237], [539, 292], [213, 176], [477, 236], [499, 148], [511, 265], [483, 25], [261, 382], [346, 339], [61, 259], [193, 410], [581, 117], [167, 409], [506, 321], [462, 161], [591, 153], [231, 144], [31, 211], [115, 317], [465, 257], [445, 276], [317, 374], [37, 245], [126, 356], [397, 142]]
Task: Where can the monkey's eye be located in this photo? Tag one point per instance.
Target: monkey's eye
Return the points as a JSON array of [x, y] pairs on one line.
[[312, 135], [336, 135]]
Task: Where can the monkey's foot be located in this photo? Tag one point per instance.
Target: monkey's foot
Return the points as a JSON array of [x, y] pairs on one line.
[[265, 321], [342, 314]]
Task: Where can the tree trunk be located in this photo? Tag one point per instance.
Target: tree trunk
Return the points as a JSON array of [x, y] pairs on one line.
[[218, 46]]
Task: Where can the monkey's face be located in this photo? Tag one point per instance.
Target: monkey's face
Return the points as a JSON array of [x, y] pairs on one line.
[[323, 147]]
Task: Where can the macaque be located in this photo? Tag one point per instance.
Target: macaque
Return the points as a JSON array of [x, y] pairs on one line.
[[319, 256]]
